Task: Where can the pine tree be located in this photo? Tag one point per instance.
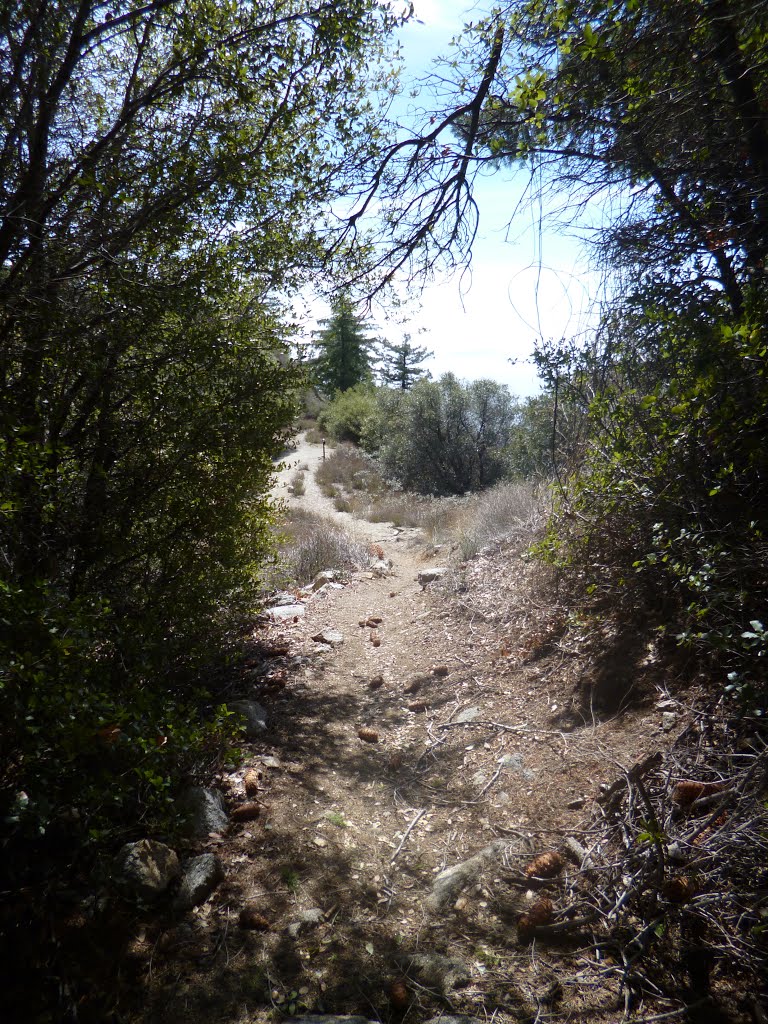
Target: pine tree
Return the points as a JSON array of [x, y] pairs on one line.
[[401, 364], [345, 348]]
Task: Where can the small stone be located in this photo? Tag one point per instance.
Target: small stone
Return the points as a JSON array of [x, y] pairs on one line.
[[200, 877], [287, 612], [668, 721], [205, 811], [431, 575], [324, 578], [468, 715], [307, 919], [319, 841], [332, 637], [255, 716], [577, 804], [512, 761], [441, 972]]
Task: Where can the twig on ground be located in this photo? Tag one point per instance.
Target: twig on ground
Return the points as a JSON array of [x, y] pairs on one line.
[[408, 831]]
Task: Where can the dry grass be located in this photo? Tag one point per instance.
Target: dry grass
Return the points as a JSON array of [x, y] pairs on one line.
[[348, 469], [312, 543], [298, 486], [508, 510]]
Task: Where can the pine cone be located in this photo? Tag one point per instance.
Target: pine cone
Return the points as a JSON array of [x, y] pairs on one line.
[[687, 791], [246, 812], [398, 994], [251, 782], [376, 682], [249, 918], [417, 705], [546, 865], [369, 735], [541, 912], [679, 890]]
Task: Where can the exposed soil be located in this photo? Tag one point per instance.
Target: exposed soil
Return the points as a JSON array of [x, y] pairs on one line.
[[459, 720]]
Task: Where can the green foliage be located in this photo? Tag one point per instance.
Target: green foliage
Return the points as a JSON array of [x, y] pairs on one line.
[[545, 439], [444, 437], [165, 171], [346, 417], [668, 509]]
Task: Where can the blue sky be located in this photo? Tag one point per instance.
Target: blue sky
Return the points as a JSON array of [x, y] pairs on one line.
[[525, 281]]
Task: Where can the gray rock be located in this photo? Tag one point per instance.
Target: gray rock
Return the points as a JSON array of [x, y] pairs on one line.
[[305, 920], [449, 883], [325, 577], [205, 810], [145, 869], [428, 576], [282, 599], [441, 972], [332, 637], [286, 611], [255, 716], [513, 761], [199, 878], [468, 715], [576, 804]]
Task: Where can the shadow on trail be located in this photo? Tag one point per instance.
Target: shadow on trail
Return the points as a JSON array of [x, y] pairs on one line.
[[346, 963]]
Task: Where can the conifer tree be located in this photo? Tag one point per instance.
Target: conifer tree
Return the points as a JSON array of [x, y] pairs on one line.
[[401, 363], [345, 348]]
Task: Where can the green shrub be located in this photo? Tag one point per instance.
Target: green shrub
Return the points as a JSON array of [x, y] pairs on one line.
[[346, 417], [443, 437]]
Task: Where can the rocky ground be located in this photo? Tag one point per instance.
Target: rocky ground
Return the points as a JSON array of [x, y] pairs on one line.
[[419, 825]]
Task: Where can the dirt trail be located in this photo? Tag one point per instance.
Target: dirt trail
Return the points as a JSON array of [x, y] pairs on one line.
[[466, 745]]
